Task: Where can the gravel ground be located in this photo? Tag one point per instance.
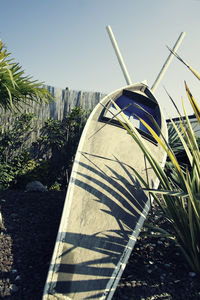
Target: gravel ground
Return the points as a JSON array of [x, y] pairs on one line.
[[156, 268]]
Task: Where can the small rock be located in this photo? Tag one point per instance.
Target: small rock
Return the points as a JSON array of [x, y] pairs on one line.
[[14, 288], [163, 276], [3, 200], [128, 284], [13, 271], [167, 265], [176, 281], [157, 218], [192, 274], [18, 278], [149, 271], [1, 220], [35, 186], [159, 242], [14, 215]]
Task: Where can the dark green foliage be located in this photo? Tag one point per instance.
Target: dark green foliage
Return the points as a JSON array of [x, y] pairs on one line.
[[7, 175], [49, 159], [14, 154], [58, 143], [14, 138], [178, 148], [174, 140], [180, 153]]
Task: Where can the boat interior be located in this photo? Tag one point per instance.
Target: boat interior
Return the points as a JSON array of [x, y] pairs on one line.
[[135, 104]]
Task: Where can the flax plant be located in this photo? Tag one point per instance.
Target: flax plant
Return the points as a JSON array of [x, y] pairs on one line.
[[179, 199]]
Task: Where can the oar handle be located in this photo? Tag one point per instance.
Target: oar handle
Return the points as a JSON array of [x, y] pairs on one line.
[[168, 61], [119, 56]]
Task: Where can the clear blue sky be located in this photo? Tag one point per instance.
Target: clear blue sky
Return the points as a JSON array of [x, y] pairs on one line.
[[65, 44]]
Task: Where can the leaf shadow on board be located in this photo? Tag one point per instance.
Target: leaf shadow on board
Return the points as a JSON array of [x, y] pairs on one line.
[[125, 203]]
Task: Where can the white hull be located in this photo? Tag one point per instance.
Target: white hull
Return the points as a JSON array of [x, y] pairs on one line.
[[103, 213]]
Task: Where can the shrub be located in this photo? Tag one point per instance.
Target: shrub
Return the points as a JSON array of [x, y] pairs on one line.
[[49, 159], [14, 154], [58, 143]]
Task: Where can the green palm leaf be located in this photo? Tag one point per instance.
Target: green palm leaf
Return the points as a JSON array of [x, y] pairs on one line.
[[15, 87]]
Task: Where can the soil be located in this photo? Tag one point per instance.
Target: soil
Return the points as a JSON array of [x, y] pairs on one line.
[[156, 268]]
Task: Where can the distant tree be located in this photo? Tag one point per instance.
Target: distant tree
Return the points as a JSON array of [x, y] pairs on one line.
[[16, 88]]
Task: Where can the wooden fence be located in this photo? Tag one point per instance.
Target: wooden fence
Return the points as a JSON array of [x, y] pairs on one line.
[[65, 101]]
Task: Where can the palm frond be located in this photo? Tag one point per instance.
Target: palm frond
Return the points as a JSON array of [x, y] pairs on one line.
[[15, 87]]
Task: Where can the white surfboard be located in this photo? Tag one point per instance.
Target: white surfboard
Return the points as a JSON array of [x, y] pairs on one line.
[[105, 206]]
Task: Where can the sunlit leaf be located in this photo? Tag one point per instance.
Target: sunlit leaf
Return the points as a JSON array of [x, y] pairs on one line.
[[193, 103], [187, 65]]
